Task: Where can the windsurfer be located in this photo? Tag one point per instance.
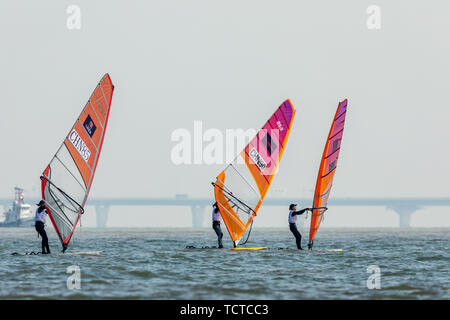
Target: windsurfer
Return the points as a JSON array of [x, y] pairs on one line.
[[41, 214], [293, 223], [216, 224]]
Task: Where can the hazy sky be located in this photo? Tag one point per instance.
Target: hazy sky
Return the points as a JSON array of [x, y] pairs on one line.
[[229, 64]]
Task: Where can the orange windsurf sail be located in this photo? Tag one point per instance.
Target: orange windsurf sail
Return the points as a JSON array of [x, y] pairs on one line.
[[327, 169], [67, 179], [240, 188]]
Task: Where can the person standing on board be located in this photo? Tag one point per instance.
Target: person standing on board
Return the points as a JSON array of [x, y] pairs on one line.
[[216, 224], [41, 214], [293, 223]]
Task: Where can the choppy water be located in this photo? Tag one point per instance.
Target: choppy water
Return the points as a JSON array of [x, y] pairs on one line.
[[152, 264]]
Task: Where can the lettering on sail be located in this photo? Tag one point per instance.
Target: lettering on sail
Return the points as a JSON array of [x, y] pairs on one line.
[[257, 159], [79, 145]]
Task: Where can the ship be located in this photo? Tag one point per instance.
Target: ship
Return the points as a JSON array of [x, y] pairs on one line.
[[20, 214]]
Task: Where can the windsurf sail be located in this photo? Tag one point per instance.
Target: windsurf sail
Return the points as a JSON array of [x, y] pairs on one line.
[[327, 169], [240, 188], [67, 179]]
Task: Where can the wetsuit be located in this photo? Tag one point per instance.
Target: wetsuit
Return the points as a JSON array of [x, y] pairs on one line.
[[293, 226], [39, 219], [216, 225]]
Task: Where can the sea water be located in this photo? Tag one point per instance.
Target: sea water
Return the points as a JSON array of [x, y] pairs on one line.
[[153, 264]]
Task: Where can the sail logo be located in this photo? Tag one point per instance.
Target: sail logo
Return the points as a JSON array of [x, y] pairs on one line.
[[90, 126], [257, 159], [269, 143], [336, 144], [99, 104], [332, 166], [280, 126], [79, 145]]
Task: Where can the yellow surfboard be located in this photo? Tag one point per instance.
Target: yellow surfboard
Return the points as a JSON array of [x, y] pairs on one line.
[[248, 249], [86, 253]]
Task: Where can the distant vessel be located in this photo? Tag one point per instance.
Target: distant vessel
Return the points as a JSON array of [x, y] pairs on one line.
[[20, 215]]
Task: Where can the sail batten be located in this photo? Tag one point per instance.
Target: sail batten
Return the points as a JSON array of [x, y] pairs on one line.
[[68, 170], [67, 179], [242, 186], [327, 169], [243, 178]]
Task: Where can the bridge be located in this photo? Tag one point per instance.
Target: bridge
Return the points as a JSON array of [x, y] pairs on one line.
[[404, 207]]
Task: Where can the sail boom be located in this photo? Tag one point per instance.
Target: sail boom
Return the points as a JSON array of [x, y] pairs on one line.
[[238, 200]]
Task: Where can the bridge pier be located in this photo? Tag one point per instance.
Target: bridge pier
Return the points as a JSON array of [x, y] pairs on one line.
[[101, 213], [197, 215], [404, 211]]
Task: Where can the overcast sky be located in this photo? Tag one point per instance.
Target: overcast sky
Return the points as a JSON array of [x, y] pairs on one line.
[[230, 64]]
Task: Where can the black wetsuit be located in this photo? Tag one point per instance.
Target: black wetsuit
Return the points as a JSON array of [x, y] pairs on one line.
[[294, 230], [39, 225], [216, 227]]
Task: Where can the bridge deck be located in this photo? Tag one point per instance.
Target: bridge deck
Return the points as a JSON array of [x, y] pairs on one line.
[[267, 202], [404, 207]]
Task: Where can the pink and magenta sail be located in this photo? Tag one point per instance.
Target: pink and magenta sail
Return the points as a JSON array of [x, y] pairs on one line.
[[327, 169], [67, 179], [240, 188]]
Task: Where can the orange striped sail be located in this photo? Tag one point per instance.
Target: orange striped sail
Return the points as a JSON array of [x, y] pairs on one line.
[[67, 179], [240, 188], [327, 170]]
